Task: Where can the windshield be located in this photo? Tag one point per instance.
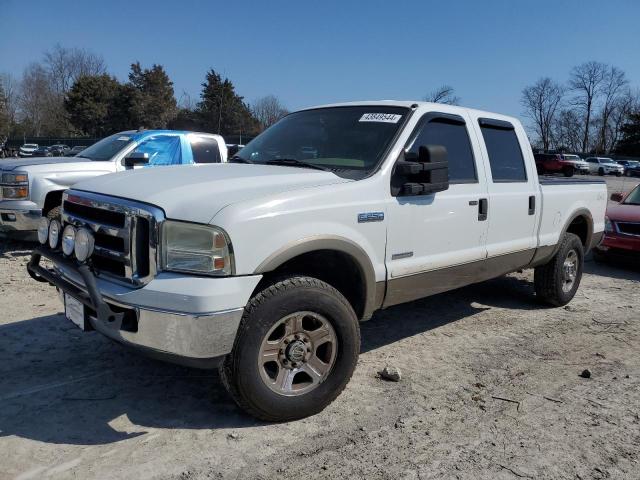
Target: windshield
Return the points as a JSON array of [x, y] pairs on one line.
[[30, 145], [106, 148], [634, 197], [350, 140], [572, 158]]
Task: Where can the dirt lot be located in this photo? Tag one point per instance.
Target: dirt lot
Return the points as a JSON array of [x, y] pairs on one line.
[[490, 389]]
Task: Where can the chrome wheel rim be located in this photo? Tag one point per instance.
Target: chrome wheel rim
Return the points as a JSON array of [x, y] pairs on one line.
[[569, 271], [298, 353]]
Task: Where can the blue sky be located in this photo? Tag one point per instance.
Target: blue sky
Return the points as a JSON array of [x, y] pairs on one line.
[[308, 53]]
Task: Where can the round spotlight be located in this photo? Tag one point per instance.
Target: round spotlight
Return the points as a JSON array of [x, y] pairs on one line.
[[68, 240], [54, 233], [84, 244], [43, 230]]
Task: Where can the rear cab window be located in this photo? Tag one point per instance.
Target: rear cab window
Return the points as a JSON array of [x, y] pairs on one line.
[[204, 149], [504, 151]]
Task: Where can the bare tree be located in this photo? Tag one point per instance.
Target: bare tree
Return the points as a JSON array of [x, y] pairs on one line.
[[268, 110], [445, 94], [66, 65], [9, 99], [612, 90], [540, 102], [627, 103], [586, 81], [35, 97], [567, 131]]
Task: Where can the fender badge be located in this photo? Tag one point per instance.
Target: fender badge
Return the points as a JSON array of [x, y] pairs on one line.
[[370, 217]]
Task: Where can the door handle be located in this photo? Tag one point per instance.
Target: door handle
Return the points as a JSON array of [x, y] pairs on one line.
[[483, 209], [532, 204]]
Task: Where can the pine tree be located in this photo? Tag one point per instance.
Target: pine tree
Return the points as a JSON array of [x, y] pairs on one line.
[[154, 104], [630, 142], [222, 110]]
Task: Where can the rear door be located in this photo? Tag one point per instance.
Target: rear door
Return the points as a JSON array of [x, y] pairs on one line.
[[514, 195]]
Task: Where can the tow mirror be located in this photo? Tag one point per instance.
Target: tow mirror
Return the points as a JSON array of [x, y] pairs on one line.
[[617, 197], [135, 158], [422, 172]]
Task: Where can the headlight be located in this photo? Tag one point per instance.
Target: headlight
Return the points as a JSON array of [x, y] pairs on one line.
[[15, 193], [68, 240], [15, 178], [195, 248], [43, 231], [84, 244], [608, 226], [54, 233]]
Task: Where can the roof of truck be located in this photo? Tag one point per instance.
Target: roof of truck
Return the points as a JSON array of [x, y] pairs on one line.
[[413, 104]]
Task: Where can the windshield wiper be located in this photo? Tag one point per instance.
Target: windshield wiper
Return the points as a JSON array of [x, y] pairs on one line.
[[239, 159], [292, 162]]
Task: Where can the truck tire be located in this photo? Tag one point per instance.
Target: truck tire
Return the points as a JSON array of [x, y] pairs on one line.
[[601, 172], [568, 171], [557, 281], [295, 351], [55, 213], [618, 174]]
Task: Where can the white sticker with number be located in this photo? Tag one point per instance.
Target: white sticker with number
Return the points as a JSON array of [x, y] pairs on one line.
[[380, 117]]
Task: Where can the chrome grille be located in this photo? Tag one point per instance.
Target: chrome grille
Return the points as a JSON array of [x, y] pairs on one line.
[[126, 234]]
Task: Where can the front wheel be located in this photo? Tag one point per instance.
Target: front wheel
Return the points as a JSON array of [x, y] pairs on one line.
[[618, 174], [296, 348], [568, 171], [557, 282]]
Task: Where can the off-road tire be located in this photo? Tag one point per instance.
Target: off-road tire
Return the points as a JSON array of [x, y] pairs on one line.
[[240, 372], [55, 213], [548, 278]]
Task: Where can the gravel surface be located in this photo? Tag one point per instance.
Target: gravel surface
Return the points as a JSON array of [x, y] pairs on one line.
[[491, 388]]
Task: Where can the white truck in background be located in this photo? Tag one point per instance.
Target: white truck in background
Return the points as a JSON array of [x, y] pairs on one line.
[[32, 187], [265, 265]]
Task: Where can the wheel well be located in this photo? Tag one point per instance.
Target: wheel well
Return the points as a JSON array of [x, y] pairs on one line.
[[52, 200], [580, 226], [338, 269]]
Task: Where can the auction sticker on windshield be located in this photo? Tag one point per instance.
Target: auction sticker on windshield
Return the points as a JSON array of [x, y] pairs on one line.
[[74, 311], [380, 117]]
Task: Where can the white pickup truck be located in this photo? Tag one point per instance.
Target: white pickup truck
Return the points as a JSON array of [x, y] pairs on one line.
[[32, 187], [264, 265]]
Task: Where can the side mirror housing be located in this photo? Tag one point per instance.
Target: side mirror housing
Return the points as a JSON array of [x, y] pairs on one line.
[[135, 158], [617, 197], [422, 172]]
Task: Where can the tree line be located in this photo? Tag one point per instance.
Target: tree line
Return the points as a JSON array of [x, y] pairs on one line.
[[594, 111], [71, 93]]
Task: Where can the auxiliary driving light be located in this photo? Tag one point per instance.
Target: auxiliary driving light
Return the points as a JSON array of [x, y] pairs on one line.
[[43, 230], [84, 244], [54, 233], [68, 240]]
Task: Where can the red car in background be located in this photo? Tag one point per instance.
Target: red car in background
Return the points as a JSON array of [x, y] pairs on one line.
[[622, 228], [560, 163]]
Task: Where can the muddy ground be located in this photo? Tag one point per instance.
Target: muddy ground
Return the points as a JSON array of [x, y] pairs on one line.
[[491, 389]]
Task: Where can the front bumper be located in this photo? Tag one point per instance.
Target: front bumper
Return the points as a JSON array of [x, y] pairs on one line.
[[194, 338], [19, 216]]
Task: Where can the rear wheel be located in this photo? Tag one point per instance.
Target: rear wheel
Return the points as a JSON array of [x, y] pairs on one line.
[[557, 282], [296, 348]]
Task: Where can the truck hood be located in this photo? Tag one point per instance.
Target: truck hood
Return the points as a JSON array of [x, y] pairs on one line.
[[197, 192], [623, 213], [27, 162]]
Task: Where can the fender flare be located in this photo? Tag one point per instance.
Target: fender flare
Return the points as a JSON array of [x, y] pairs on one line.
[[373, 293]]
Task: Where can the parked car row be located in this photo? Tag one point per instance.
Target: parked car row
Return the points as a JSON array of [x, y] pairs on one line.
[[570, 164]]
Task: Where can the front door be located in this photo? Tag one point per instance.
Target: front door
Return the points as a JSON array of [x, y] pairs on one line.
[[430, 236]]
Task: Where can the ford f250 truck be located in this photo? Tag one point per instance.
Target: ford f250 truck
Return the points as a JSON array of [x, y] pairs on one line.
[[264, 266], [32, 187]]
